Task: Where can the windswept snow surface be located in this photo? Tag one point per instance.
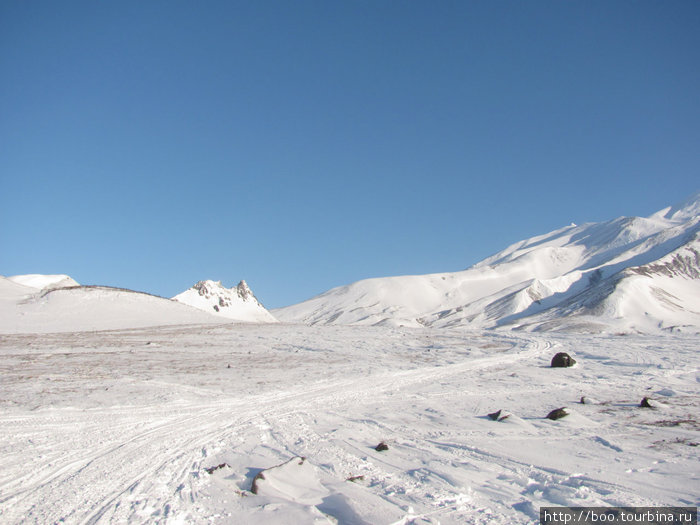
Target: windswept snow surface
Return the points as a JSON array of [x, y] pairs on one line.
[[631, 274], [237, 303], [121, 426]]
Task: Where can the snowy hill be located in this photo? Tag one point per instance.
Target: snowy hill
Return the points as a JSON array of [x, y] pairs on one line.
[[54, 304], [238, 303], [627, 274], [44, 281]]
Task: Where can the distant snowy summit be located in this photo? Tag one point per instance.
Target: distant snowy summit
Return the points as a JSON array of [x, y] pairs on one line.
[[44, 282], [630, 274], [237, 303]]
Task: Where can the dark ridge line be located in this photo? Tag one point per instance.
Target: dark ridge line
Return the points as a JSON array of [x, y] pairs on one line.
[[101, 287]]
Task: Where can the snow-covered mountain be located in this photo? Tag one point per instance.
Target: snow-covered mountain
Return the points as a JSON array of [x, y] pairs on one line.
[[57, 303], [627, 274], [238, 303], [42, 282]]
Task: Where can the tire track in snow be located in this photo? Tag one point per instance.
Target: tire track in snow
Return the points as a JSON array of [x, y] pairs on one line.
[[176, 444]]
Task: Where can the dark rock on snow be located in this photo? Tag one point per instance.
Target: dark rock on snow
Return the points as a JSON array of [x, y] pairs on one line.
[[211, 470], [259, 476], [645, 403], [496, 416], [562, 360], [381, 447], [557, 413]]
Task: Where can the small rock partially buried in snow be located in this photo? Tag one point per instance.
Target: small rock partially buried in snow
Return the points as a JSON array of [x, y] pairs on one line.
[[557, 413], [645, 403], [381, 447], [586, 400], [499, 415], [211, 470]]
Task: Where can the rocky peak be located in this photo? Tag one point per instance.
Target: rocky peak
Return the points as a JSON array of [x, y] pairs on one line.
[[237, 302], [207, 288], [243, 291]]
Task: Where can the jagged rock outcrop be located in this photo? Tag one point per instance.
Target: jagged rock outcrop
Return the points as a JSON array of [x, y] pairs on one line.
[[238, 303]]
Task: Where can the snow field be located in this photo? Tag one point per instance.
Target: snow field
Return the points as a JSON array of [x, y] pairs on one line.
[[119, 426]]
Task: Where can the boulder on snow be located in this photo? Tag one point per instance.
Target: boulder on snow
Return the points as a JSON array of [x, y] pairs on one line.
[[645, 403], [557, 413], [381, 447], [562, 360]]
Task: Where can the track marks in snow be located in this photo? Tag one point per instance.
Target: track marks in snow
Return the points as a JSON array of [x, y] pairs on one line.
[[332, 394]]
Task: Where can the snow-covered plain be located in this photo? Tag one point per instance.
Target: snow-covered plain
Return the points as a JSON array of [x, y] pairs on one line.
[[121, 426]]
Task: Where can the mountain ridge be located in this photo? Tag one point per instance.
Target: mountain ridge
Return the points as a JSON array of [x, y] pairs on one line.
[[529, 284]]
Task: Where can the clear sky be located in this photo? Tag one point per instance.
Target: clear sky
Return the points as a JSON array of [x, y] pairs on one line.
[[306, 145]]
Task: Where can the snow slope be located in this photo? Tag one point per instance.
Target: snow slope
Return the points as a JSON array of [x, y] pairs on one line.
[[610, 276], [236, 303], [172, 425], [79, 308]]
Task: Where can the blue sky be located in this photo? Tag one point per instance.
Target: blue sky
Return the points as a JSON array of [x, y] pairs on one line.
[[307, 145]]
